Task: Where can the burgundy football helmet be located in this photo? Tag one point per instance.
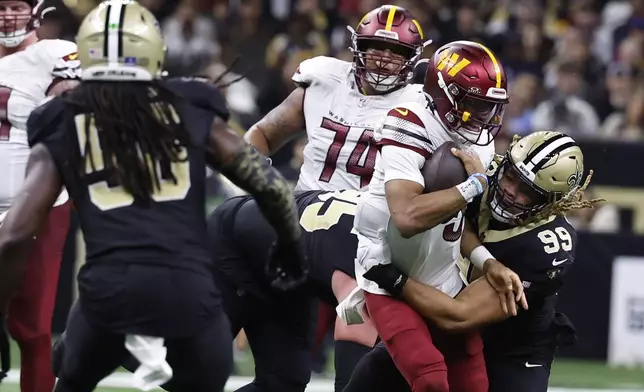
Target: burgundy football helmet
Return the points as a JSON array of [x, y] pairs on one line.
[[386, 28], [16, 23], [467, 88]]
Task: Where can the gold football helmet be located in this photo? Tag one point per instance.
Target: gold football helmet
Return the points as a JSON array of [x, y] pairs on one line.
[[120, 40], [544, 167]]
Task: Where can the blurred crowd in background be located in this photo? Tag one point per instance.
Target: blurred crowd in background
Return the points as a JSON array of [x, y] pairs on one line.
[[576, 66], [573, 65]]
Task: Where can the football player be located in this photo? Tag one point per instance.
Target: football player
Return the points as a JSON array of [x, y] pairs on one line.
[[30, 70], [521, 220], [132, 151], [466, 91], [339, 104]]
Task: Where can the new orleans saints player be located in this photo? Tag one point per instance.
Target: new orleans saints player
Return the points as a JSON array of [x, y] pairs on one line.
[[132, 151], [521, 221]]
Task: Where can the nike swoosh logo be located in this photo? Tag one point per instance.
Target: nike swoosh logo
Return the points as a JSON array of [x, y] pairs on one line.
[[72, 56], [403, 112], [556, 262], [529, 365]]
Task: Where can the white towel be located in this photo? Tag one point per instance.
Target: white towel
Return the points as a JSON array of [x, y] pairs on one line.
[[151, 353], [350, 310]]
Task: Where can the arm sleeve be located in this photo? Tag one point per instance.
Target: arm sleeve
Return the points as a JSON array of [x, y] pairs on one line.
[[400, 163]]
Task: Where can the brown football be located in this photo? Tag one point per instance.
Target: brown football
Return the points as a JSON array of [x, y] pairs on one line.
[[443, 170]]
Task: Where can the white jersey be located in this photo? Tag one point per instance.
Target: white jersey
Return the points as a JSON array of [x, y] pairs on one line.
[[25, 78], [339, 124], [408, 137]]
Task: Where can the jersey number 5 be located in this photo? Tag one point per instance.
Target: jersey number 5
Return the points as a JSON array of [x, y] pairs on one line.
[[108, 196], [555, 241], [5, 125], [364, 171]]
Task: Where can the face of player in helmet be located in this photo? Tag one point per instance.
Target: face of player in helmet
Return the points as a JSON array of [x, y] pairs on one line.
[[481, 114], [512, 198], [383, 64], [14, 20]]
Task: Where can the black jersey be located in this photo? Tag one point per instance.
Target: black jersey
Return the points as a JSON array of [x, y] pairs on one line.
[[541, 254], [327, 222], [117, 229]]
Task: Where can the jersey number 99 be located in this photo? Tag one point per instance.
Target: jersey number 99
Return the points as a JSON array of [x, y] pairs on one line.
[[560, 239], [106, 196]]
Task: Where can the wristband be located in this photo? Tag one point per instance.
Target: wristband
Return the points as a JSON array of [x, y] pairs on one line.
[[479, 255], [470, 188], [480, 175]]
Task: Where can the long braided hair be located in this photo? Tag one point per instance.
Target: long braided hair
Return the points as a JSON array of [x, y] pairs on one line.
[[139, 129], [573, 200]]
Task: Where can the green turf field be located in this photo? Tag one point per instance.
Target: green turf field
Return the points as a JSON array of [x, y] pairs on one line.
[[566, 373]]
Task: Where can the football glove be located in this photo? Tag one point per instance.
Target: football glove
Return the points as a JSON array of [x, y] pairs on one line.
[[388, 278], [287, 266]]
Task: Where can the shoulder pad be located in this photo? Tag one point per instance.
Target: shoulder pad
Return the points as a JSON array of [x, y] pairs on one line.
[[414, 93], [43, 120], [404, 127], [552, 243], [60, 56], [320, 69], [200, 92]]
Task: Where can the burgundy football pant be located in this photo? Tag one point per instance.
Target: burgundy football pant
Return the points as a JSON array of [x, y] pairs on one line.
[[431, 360], [31, 308]]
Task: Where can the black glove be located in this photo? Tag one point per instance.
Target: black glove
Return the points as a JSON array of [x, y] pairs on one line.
[[388, 278], [288, 265]]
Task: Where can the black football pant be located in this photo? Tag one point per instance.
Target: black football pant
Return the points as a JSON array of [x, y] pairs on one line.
[[278, 329], [85, 354], [376, 372], [513, 375]]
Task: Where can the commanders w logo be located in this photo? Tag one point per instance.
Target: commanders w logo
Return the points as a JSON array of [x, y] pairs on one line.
[[450, 60]]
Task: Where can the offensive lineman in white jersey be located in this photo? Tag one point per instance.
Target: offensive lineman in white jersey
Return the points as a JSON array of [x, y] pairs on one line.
[[465, 86], [30, 70], [339, 104]]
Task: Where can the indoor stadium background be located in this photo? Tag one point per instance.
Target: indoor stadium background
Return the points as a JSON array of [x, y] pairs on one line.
[[574, 65]]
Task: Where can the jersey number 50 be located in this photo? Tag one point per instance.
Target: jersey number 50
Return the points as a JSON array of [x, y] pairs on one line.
[[107, 197]]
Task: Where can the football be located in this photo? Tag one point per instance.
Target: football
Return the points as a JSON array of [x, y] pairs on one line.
[[443, 170]]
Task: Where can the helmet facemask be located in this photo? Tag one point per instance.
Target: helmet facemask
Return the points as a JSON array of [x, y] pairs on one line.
[[381, 71], [507, 187], [474, 117], [16, 26]]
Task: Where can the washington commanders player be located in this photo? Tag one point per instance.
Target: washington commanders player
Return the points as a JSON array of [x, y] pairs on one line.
[[465, 87], [30, 70], [132, 151], [521, 220], [339, 104]]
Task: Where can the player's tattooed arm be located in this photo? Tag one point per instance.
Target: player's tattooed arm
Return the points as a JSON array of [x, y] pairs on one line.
[[280, 125], [249, 170], [28, 212]]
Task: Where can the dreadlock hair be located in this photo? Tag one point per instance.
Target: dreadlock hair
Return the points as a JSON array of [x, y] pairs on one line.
[[140, 132], [573, 200]]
